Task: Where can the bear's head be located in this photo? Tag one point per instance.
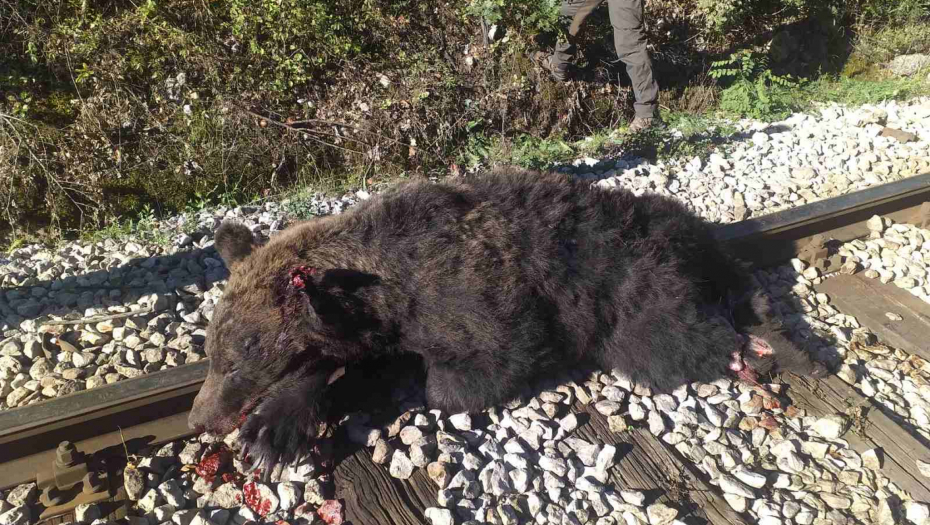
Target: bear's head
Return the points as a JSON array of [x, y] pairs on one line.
[[281, 334]]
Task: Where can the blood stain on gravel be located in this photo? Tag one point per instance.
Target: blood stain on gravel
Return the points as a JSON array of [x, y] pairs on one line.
[[769, 423], [210, 465], [332, 512], [253, 499], [232, 477]]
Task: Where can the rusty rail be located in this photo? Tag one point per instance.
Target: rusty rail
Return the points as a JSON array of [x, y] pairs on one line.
[[843, 218]]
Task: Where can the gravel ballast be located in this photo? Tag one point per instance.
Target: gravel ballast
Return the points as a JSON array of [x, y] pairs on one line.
[[136, 307]]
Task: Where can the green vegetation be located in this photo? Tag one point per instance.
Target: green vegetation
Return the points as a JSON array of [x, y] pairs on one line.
[[696, 136], [849, 91], [143, 227], [752, 89], [115, 113]]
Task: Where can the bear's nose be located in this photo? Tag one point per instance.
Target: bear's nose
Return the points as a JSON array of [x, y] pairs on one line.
[[194, 422]]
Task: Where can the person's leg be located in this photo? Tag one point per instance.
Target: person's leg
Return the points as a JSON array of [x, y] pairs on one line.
[[626, 16], [578, 11]]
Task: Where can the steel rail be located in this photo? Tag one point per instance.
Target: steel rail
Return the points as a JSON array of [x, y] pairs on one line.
[[152, 409], [842, 218]]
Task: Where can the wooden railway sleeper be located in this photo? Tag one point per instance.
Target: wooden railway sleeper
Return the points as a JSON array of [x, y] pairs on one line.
[[815, 252], [923, 216]]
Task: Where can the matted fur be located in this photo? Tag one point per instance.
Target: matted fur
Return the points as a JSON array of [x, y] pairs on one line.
[[492, 281]]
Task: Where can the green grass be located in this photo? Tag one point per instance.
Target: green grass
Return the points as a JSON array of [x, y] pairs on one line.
[[881, 45], [696, 135], [144, 227], [858, 92], [700, 133], [145, 43], [15, 244]]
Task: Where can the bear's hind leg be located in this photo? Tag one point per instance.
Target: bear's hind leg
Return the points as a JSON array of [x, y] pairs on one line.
[[766, 345], [671, 349], [456, 390], [767, 348]]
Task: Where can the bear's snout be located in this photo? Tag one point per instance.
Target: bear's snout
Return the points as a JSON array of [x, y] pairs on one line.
[[207, 414], [195, 420]]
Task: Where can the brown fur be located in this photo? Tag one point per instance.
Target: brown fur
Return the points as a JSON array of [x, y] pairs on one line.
[[492, 282]]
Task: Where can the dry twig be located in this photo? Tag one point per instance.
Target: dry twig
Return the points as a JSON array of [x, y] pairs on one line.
[[326, 122], [99, 318]]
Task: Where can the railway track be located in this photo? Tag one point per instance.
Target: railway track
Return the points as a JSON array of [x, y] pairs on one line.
[[75, 446]]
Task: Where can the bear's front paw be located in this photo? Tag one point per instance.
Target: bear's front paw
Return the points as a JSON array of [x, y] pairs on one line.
[[271, 436]]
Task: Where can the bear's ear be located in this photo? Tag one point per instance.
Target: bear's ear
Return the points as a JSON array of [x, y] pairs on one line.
[[234, 243]]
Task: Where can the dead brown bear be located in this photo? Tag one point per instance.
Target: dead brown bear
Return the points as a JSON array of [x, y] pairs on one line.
[[490, 281]]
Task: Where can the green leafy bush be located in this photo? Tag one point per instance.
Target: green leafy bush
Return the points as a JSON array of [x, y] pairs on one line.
[[527, 15], [721, 15], [108, 106], [888, 11], [752, 89], [290, 41], [731, 17]]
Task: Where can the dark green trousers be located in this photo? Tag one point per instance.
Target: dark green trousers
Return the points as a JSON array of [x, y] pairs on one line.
[[626, 17]]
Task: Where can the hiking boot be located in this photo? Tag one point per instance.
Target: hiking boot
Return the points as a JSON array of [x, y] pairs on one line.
[[544, 60], [641, 123]]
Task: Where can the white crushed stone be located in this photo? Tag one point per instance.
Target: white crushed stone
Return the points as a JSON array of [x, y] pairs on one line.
[[803, 159], [917, 513], [924, 468], [830, 427], [529, 451]]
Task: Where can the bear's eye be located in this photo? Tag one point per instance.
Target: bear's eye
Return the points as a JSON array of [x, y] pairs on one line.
[[250, 345]]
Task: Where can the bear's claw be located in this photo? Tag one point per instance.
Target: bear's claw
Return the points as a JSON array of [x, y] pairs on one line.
[[743, 370], [759, 346]]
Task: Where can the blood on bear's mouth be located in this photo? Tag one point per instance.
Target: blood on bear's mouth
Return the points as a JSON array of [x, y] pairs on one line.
[[250, 406], [247, 409]]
